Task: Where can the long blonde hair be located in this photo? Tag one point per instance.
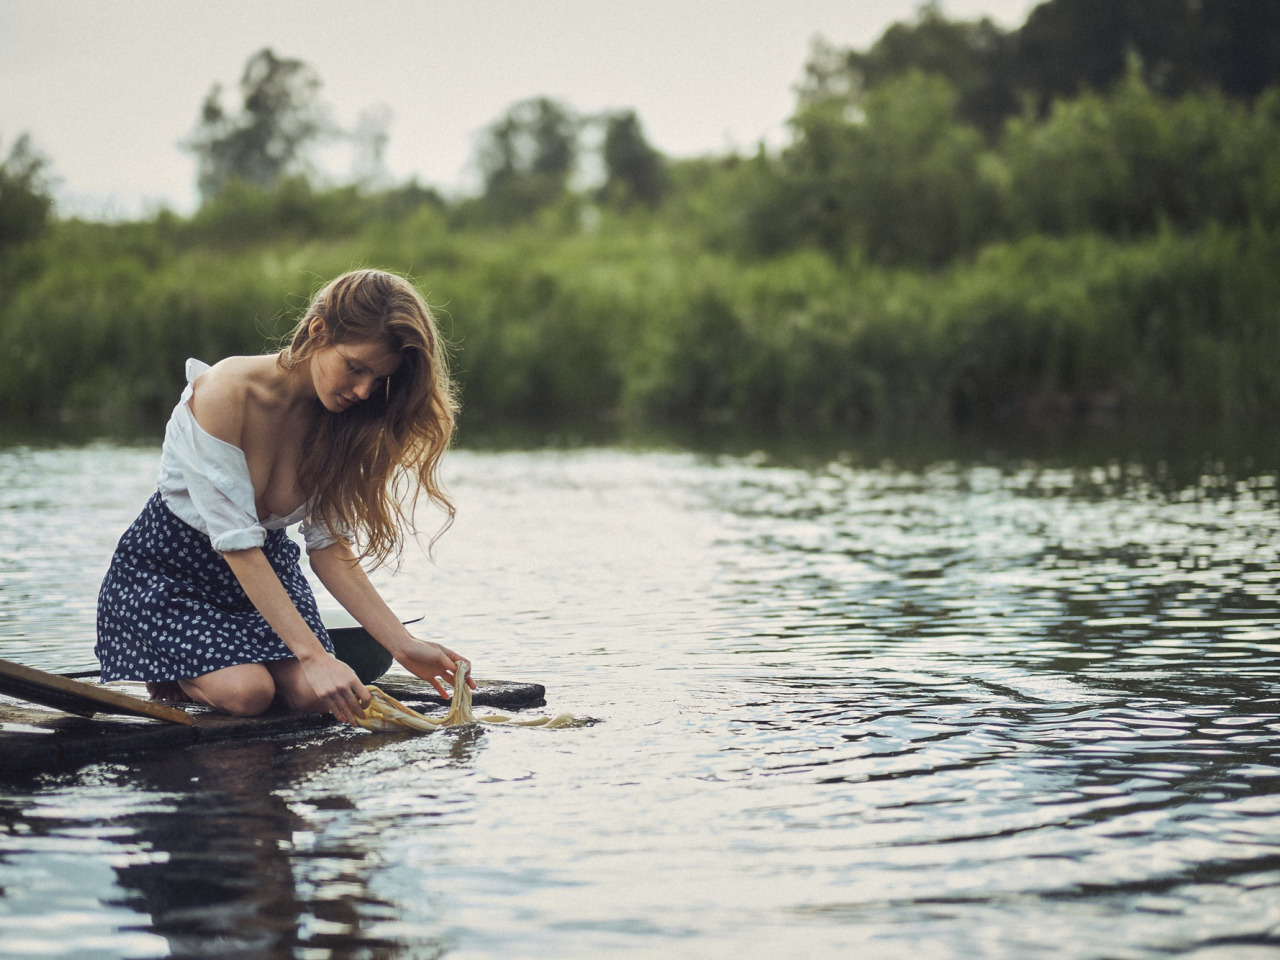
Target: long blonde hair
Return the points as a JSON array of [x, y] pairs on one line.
[[368, 464]]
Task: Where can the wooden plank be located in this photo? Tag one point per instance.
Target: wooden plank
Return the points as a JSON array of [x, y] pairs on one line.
[[82, 699], [37, 739], [506, 694], [33, 738]]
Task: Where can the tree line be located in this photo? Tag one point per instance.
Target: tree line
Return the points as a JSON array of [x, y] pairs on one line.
[[1079, 215]]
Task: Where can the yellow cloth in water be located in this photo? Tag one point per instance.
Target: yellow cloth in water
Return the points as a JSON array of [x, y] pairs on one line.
[[387, 713]]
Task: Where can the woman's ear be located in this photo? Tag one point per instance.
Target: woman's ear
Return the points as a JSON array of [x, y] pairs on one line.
[[316, 327]]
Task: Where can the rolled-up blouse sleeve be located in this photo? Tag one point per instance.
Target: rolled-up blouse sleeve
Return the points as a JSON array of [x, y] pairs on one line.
[[317, 534]]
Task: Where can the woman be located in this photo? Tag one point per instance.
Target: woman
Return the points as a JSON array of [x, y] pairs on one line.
[[340, 430]]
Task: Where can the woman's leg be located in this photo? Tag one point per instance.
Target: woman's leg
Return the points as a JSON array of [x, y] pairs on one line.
[[248, 689], [168, 690], [294, 688], [245, 690]]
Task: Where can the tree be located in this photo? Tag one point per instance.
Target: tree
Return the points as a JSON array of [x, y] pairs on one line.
[[280, 119], [1069, 46], [1240, 45], [1130, 161], [974, 57], [527, 156], [25, 200], [370, 138], [1064, 49], [634, 171], [896, 175]]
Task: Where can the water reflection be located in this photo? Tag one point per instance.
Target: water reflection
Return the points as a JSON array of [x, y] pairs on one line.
[[218, 879], [211, 857]]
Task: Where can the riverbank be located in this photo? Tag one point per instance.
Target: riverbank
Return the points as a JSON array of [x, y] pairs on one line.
[[641, 325]]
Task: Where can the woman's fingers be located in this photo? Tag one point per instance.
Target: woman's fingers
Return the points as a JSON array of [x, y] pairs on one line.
[[341, 707], [457, 659], [347, 695]]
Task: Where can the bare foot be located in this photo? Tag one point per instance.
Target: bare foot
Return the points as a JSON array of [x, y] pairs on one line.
[[168, 690]]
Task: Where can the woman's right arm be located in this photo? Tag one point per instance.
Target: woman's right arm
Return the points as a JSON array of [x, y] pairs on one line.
[[342, 575], [334, 683]]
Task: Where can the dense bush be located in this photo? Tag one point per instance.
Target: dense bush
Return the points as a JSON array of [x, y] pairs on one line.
[[647, 326]]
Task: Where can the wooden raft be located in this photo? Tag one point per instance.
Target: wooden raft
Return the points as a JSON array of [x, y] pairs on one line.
[[48, 721]]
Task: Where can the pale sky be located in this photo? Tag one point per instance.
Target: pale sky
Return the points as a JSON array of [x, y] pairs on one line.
[[108, 88]]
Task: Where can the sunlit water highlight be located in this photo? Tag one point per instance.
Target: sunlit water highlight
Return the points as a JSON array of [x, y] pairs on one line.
[[846, 710]]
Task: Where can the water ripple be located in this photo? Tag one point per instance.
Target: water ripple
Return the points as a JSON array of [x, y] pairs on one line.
[[961, 710]]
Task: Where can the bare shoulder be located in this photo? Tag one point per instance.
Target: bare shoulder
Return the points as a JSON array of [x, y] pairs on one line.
[[225, 392]]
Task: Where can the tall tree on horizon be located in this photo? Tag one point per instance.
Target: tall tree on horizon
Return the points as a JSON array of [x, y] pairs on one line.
[[527, 156], [1064, 49], [634, 171], [25, 198], [280, 119]]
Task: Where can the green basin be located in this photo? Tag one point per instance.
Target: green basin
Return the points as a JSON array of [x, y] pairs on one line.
[[358, 650], [355, 647]]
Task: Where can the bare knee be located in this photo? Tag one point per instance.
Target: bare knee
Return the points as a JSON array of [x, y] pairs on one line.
[[294, 688], [249, 702], [245, 691]]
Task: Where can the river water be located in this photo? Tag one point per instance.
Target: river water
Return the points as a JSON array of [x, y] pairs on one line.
[[849, 705]]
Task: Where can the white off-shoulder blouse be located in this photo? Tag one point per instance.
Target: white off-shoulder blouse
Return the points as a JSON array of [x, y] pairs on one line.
[[205, 482]]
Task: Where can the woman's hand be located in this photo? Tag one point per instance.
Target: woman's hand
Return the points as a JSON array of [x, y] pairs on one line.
[[346, 581], [336, 686], [431, 662]]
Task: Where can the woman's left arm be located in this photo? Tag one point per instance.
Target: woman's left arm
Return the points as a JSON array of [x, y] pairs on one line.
[[343, 577]]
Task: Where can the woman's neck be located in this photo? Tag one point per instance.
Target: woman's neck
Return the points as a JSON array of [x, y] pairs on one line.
[[295, 387]]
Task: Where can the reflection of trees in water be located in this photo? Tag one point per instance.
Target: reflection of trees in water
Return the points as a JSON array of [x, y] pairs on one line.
[[223, 878]]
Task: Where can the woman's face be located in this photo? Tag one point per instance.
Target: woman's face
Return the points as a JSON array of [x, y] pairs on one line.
[[346, 373]]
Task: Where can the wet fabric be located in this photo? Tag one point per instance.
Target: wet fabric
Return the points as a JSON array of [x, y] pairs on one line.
[[171, 609], [385, 712]]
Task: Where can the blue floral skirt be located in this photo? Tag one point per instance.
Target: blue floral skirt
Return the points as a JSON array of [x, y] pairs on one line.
[[171, 609]]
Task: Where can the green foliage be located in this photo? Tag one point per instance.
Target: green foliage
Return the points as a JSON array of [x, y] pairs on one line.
[[1065, 49], [895, 265], [634, 171], [725, 202], [895, 175], [1184, 323], [640, 321], [101, 333], [293, 210], [1068, 47], [898, 177], [973, 57], [25, 200], [526, 158], [1130, 161]]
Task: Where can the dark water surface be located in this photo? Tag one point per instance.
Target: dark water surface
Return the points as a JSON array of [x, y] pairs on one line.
[[977, 707]]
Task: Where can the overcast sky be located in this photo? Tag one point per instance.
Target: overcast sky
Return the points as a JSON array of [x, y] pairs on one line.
[[108, 90]]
